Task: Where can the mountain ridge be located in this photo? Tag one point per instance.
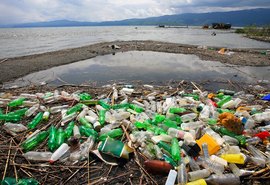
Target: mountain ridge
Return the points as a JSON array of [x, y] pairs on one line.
[[258, 17]]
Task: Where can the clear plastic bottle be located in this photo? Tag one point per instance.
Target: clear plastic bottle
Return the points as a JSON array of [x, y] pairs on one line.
[[205, 113], [58, 108], [76, 132], [32, 110], [193, 164], [259, 117], [171, 178], [176, 133], [200, 174], [68, 118], [86, 147], [192, 125], [182, 176], [15, 127], [223, 179], [188, 117], [215, 135], [37, 156], [59, 152]]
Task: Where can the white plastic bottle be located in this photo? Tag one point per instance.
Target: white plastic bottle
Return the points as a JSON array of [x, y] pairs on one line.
[[37, 156], [59, 152]]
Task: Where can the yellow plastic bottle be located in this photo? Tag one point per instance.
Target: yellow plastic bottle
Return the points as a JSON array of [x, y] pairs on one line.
[[234, 158], [197, 182]]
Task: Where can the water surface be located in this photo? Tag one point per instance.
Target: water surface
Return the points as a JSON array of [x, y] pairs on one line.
[[146, 66], [26, 41]]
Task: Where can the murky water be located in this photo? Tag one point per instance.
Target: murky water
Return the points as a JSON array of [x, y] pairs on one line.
[[149, 67], [26, 41]]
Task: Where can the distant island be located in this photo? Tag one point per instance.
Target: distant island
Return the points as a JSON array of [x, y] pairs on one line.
[[258, 17]]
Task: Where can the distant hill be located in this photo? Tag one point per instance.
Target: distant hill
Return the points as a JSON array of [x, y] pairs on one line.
[[258, 17]]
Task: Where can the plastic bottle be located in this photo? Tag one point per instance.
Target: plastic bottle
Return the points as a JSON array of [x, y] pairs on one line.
[[241, 139], [165, 146], [259, 117], [20, 112], [197, 182], [46, 115], [52, 138], [219, 160], [14, 127], [214, 135], [88, 131], [171, 178], [170, 123], [37, 156], [16, 102], [205, 150], [76, 132], [182, 176], [176, 133], [85, 123], [212, 166], [223, 179], [256, 153], [59, 153], [74, 109], [224, 100], [32, 110], [8, 117], [104, 105], [188, 117], [200, 174], [234, 158], [193, 164], [86, 147], [192, 125], [102, 117], [37, 119], [112, 134], [91, 119], [175, 150], [68, 118], [60, 137], [205, 113], [69, 129], [176, 110], [32, 142], [58, 108], [136, 108]]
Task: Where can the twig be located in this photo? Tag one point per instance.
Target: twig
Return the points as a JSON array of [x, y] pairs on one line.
[[196, 87], [7, 161], [74, 173]]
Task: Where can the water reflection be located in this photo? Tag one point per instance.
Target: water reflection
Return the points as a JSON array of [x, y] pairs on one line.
[[146, 66]]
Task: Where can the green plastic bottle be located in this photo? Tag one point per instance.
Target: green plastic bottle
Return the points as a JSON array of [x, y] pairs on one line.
[[159, 118], [85, 123], [85, 96], [88, 132], [169, 160], [9, 181], [52, 138], [75, 108], [115, 133], [176, 110], [16, 102], [104, 105], [12, 117], [165, 146], [102, 117], [224, 100], [140, 125], [69, 129], [120, 106], [27, 182], [241, 139], [34, 141], [20, 112], [136, 108], [60, 137], [169, 123], [175, 150], [37, 119], [1, 111], [226, 92]]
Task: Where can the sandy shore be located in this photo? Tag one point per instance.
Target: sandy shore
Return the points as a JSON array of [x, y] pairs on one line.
[[13, 68]]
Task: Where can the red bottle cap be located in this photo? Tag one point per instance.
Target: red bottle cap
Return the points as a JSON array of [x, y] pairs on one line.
[[263, 135]]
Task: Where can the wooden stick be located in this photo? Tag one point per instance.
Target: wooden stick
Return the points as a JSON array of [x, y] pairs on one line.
[[196, 87], [7, 161], [75, 173]]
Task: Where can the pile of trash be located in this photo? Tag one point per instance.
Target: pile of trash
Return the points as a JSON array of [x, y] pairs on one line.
[[191, 138]]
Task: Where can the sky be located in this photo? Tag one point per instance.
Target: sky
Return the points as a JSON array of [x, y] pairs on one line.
[[24, 11]]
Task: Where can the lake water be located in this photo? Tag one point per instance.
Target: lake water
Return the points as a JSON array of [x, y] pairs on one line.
[[149, 67], [26, 41]]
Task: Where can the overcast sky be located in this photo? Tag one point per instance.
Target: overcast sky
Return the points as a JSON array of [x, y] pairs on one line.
[[21, 11]]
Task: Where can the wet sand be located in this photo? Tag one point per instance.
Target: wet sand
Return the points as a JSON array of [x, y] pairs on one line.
[[13, 68]]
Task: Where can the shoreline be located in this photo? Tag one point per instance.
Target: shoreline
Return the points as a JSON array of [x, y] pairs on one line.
[[16, 67]]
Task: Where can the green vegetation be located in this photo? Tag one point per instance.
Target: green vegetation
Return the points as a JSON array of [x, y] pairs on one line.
[[255, 31]]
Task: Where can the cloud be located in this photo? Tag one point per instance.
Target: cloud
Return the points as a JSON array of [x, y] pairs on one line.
[[19, 11]]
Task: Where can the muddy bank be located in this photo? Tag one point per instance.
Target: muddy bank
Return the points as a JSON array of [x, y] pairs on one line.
[[13, 68]]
